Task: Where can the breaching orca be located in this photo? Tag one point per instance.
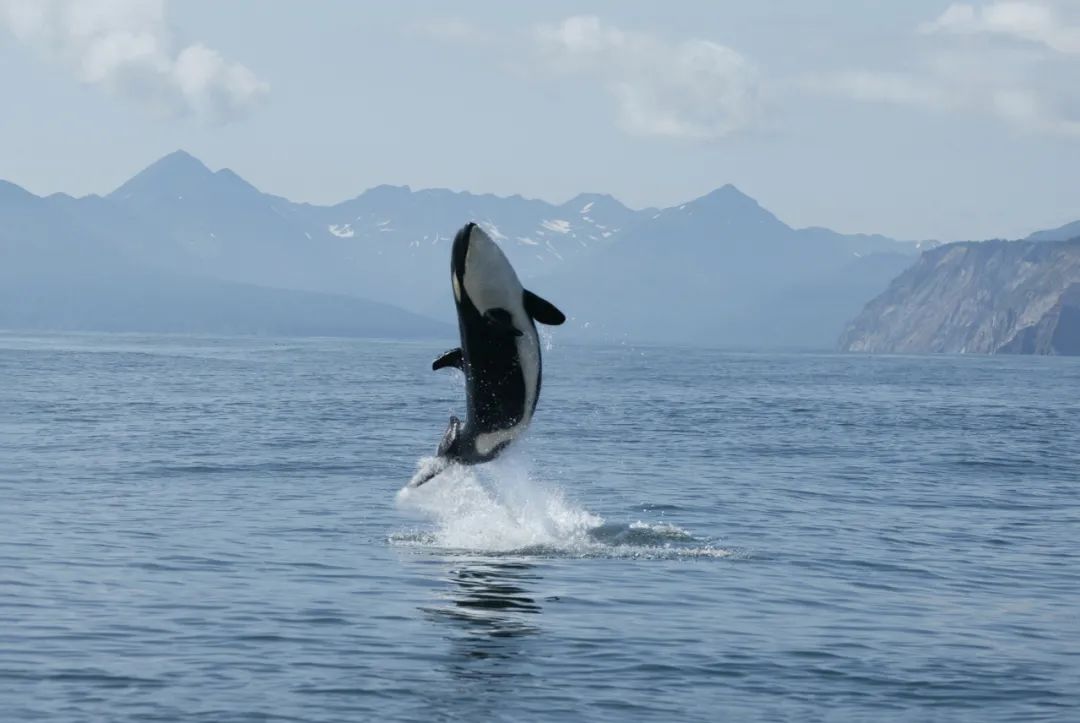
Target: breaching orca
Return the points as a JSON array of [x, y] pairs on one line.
[[499, 352]]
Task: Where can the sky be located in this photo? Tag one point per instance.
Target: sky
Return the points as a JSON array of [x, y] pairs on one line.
[[917, 119]]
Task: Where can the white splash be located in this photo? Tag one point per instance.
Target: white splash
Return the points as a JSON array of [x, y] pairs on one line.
[[499, 507], [496, 508]]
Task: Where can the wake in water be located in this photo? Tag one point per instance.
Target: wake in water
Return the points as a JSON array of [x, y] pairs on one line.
[[498, 508]]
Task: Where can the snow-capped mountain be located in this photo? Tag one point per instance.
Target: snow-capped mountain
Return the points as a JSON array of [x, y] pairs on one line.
[[723, 267], [389, 243], [717, 270], [538, 234]]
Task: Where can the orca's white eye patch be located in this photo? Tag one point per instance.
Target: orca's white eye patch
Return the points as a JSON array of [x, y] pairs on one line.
[[457, 287]]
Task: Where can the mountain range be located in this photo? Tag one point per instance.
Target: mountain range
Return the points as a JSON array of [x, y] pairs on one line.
[[181, 247]]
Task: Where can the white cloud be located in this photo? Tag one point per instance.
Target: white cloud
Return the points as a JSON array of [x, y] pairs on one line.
[[1035, 22], [1028, 110], [1015, 61], [126, 47], [694, 90]]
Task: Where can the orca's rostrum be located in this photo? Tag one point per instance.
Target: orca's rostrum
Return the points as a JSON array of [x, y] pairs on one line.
[[499, 352]]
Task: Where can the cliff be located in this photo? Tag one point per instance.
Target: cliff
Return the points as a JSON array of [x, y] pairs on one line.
[[990, 297]]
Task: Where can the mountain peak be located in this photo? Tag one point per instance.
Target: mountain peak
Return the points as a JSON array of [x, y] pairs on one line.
[[229, 177], [388, 190], [726, 211], [595, 199], [728, 195], [179, 161], [174, 174], [728, 201]]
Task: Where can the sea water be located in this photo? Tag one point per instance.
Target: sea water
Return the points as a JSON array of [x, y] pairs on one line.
[[215, 529]]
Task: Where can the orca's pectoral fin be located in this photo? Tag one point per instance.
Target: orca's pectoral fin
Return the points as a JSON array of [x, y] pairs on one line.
[[431, 469], [501, 320], [543, 310], [448, 445], [452, 358]]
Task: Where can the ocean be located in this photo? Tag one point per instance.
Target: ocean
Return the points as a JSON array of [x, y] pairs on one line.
[[214, 529]]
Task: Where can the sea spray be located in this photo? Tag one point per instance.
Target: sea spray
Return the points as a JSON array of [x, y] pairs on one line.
[[500, 508], [497, 507]]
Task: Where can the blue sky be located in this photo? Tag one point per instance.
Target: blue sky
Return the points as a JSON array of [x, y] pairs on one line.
[[918, 119]]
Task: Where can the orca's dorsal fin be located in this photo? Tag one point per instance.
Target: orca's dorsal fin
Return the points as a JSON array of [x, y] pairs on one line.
[[452, 358], [543, 310], [500, 319]]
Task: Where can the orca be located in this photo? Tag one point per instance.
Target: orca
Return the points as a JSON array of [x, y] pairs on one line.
[[499, 352]]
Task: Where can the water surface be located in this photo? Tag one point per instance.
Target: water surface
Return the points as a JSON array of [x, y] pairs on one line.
[[208, 529]]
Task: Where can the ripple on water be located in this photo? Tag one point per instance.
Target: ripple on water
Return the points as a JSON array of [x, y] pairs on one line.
[[200, 534]]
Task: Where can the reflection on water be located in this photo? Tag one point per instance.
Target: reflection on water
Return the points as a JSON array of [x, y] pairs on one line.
[[490, 599], [490, 615]]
